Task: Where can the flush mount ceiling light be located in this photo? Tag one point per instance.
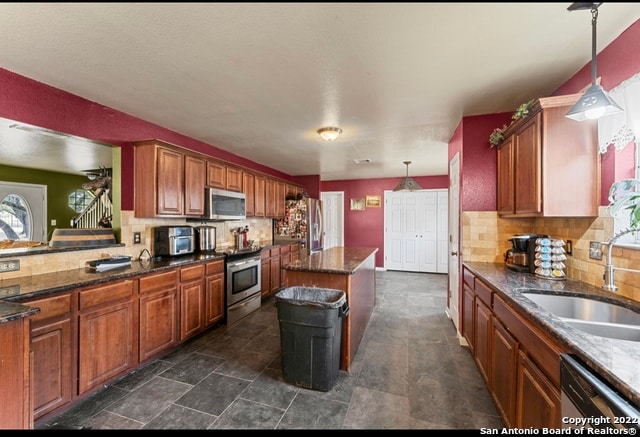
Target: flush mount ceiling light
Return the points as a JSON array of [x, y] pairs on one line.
[[407, 184], [329, 133], [595, 102]]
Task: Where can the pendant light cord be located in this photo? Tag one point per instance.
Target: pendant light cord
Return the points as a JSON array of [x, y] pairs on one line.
[[594, 19]]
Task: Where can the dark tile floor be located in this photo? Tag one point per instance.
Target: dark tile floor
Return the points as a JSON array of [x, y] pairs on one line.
[[409, 373]]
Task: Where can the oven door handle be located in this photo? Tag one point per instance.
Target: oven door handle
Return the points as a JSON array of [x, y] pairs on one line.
[[242, 263]]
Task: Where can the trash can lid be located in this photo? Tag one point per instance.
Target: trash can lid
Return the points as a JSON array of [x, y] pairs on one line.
[[313, 296]]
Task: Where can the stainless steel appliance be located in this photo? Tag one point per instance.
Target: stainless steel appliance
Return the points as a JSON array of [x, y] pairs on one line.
[[224, 205], [206, 238], [521, 256], [173, 240], [588, 402], [302, 223], [244, 277]]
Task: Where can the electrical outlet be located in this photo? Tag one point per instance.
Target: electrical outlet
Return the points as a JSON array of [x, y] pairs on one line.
[[595, 250], [10, 265], [136, 238]]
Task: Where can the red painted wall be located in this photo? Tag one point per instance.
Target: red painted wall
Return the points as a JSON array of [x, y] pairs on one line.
[[366, 228], [478, 164]]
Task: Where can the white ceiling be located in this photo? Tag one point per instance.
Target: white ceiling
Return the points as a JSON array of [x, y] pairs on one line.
[[258, 79]]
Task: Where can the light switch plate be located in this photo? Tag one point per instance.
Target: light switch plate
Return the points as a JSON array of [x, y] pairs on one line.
[[595, 250]]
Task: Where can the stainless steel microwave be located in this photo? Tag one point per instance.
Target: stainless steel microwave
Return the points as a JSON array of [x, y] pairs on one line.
[[224, 205]]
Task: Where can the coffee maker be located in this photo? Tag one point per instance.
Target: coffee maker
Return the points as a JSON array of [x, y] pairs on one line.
[[521, 256]]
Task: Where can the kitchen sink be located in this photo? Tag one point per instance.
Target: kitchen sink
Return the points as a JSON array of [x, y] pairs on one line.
[[595, 317], [609, 330]]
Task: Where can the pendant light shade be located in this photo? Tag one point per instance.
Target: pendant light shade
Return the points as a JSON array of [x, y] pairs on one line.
[[407, 184], [595, 102]]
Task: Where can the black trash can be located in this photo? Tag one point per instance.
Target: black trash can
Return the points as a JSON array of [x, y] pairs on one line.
[[310, 332]]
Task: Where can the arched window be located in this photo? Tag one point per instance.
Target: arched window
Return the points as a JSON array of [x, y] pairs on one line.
[[15, 218], [23, 211]]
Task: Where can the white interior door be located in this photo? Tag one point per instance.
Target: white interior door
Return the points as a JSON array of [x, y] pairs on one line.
[[454, 229], [413, 231], [333, 218], [24, 210]]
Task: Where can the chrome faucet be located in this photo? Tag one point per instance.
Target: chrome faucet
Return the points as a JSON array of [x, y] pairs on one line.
[[609, 284]]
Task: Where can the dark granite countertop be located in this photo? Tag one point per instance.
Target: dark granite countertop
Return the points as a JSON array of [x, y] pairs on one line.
[[12, 291], [340, 260], [616, 361]]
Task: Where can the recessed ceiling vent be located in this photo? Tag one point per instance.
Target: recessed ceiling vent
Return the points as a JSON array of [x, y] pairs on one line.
[[362, 161]]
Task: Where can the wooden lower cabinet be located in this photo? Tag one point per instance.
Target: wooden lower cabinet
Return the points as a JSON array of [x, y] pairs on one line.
[[107, 330], [52, 353], [86, 338], [214, 292], [15, 381], [520, 363], [271, 271], [537, 399], [502, 372], [158, 327], [191, 301], [482, 333], [265, 273]]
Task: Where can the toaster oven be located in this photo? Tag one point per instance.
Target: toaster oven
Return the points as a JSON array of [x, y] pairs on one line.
[[173, 240]]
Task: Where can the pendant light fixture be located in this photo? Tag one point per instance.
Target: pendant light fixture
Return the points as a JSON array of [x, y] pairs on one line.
[[329, 133], [407, 184], [595, 102]]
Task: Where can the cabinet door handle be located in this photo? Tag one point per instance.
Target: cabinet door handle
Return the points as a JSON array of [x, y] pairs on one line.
[[454, 253]]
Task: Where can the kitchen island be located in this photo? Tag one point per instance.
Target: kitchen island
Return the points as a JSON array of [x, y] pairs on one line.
[[350, 269]]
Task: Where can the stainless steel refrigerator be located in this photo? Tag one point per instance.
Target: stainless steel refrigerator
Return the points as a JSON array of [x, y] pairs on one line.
[[302, 223]]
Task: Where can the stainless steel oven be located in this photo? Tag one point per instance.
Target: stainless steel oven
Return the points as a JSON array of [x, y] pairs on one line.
[[589, 402], [243, 285]]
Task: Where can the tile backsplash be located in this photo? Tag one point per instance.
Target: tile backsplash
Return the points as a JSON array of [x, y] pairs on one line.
[[260, 230], [485, 238]]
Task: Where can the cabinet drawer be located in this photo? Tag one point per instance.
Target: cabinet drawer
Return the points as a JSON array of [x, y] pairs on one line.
[[158, 281], [192, 273], [274, 251], [265, 254], [542, 350], [51, 307], [483, 292], [106, 293], [215, 267], [468, 278]]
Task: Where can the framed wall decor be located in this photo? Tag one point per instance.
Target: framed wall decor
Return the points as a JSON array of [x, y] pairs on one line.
[[373, 201], [357, 204]]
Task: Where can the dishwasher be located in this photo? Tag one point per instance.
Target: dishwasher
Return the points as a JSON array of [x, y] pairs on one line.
[[589, 402]]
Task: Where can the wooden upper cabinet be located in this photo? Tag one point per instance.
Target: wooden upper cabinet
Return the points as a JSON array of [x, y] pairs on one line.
[[195, 170], [292, 191], [506, 181], [260, 199], [168, 182], [249, 190], [157, 195], [281, 192], [234, 179], [219, 175], [216, 174], [552, 162], [270, 197]]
